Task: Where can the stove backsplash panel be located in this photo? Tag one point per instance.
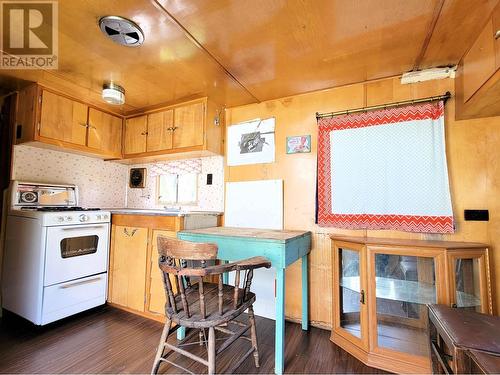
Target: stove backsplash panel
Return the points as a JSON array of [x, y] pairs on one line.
[[104, 184], [101, 183]]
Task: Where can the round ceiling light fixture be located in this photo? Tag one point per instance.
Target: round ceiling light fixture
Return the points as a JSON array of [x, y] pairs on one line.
[[121, 30], [113, 93]]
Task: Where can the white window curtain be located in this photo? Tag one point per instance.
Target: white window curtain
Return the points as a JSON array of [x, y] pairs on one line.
[[385, 169]]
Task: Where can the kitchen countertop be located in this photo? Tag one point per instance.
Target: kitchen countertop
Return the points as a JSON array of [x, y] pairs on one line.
[[158, 212]]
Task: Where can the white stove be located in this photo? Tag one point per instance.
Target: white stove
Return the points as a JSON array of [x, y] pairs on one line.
[[76, 215], [56, 253]]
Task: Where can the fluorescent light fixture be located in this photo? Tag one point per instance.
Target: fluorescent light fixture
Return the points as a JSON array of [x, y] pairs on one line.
[[428, 75], [113, 93]]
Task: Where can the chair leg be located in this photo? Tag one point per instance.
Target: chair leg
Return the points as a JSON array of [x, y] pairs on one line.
[[201, 336], [253, 334], [211, 351], [161, 347]]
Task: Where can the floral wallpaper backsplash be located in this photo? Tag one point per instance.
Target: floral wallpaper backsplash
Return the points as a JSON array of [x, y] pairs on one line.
[[101, 183], [210, 197], [104, 184]]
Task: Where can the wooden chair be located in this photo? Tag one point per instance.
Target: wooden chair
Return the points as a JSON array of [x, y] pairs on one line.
[[195, 303]]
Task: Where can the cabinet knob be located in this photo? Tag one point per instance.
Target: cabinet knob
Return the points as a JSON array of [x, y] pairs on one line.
[[144, 133], [497, 34]]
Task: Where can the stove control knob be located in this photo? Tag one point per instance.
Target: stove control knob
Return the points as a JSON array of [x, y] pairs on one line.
[[83, 218], [105, 217], [98, 217], [68, 218], [60, 219]]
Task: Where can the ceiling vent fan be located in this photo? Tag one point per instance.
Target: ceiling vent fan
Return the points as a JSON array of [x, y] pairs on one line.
[[122, 31]]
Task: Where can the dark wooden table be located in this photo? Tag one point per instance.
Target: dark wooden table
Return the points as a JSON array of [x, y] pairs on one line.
[[483, 363], [456, 333]]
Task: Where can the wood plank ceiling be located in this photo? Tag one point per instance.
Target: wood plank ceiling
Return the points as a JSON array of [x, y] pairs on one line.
[[240, 51]]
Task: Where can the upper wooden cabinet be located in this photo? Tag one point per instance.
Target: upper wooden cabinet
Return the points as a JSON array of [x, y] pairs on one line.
[[479, 62], [49, 118], [134, 140], [104, 132], [44, 117], [188, 127], [159, 130], [478, 76], [62, 118], [194, 127], [496, 30]]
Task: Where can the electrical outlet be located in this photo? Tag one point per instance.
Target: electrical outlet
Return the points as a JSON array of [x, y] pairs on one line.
[[476, 215], [209, 178]]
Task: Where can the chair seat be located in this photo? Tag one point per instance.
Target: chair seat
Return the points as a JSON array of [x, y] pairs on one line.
[[213, 318]]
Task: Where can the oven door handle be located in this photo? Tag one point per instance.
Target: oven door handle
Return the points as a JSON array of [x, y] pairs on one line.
[[80, 227], [80, 282]]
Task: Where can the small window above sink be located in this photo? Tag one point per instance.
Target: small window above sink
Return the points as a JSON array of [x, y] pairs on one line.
[[180, 189]]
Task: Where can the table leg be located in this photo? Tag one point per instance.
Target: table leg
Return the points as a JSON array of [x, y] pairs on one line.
[[305, 295], [181, 331], [225, 275], [279, 351]]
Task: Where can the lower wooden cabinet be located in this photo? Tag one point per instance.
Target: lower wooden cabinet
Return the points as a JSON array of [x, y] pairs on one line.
[[155, 299], [381, 288], [135, 280], [128, 266]]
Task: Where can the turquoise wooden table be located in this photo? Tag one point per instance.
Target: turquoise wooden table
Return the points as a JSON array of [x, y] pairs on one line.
[[282, 248]]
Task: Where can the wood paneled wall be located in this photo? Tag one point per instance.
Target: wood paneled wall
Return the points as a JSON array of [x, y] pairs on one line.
[[473, 151]]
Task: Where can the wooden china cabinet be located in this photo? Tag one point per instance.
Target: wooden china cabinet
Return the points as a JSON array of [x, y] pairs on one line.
[[381, 288]]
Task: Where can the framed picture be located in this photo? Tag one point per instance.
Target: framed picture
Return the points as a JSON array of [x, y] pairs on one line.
[[298, 144], [251, 142]]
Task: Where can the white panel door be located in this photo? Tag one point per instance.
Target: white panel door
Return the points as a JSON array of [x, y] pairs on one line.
[[257, 204]]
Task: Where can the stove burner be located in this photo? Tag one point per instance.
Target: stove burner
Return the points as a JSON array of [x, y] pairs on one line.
[[61, 208]]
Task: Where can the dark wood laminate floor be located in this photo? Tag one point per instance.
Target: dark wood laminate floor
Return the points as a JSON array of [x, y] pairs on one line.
[[108, 340]]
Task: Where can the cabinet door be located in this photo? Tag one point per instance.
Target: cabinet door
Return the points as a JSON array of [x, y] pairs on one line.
[[63, 119], [188, 125], [156, 293], [469, 281], [105, 132], [160, 126], [479, 63], [135, 135], [350, 318], [128, 263], [496, 32]]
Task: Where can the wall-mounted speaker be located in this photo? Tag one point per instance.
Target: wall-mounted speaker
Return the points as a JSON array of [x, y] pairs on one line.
[[137, 178]]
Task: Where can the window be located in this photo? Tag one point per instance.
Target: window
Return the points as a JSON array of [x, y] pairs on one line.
[[177, 189]]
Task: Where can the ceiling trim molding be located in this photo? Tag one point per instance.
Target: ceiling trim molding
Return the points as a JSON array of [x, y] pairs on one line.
[[200, 46], [435, 16]]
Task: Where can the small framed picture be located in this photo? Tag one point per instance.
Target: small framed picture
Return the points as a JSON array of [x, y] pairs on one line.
[[298, 144]]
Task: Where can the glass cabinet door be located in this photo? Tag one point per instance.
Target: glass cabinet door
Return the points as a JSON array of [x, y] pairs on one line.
[[350, 293], [404, 284], [468, 279]]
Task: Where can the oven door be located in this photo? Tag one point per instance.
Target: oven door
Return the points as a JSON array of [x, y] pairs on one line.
[[75, 251]]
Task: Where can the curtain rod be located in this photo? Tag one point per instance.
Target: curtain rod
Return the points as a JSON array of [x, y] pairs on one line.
[[384, 106]]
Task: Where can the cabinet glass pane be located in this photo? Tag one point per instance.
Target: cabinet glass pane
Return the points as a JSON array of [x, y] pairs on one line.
[[404, 285], [349, 291], [467, 284]]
